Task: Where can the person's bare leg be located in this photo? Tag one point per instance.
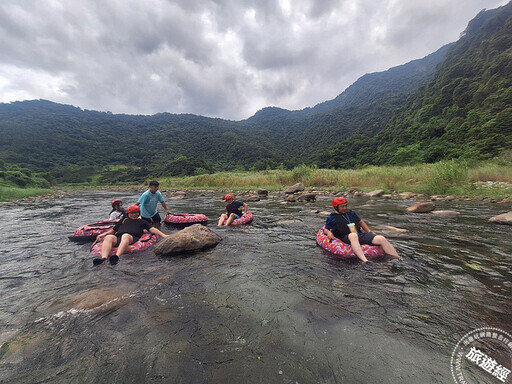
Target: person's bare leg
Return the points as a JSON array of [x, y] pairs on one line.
[[386, 245], [356, 247], [107, 245], [222, 219], [231, 218], [126, 240]]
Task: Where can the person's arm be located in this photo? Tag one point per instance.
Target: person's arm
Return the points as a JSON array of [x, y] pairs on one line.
[[157, 232], [102, 235], [165, 207], [246, 207], [329, 234], [364, 226]]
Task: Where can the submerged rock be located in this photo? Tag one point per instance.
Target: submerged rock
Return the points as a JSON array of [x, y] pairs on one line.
[[446, 213], [194, 238], [504, 218], [307, 197], [422, 207], [295, 188]]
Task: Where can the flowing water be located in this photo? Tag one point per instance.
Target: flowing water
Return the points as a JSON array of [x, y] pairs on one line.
[[265, 306]]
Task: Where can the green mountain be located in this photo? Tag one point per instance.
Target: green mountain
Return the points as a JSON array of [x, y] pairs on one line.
[[455, 102], [464, 111]]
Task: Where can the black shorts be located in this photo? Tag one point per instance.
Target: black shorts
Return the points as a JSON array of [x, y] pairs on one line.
[[135, 239], [153, 220], [364, 238]]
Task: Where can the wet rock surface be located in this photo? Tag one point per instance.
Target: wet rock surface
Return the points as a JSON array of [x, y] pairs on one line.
[[504, 218], [422, 207], [194, 238]]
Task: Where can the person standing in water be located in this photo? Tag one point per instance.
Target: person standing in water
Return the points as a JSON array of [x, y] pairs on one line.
[[338, 225], [148, 202]]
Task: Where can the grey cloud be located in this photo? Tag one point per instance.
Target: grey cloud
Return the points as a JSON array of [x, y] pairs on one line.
[[224, 58]]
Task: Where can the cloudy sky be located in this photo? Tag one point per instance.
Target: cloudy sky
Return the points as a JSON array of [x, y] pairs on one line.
[[219, 58]]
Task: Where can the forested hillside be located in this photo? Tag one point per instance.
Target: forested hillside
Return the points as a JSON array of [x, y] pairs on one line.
[[455, 102], [465, 111]]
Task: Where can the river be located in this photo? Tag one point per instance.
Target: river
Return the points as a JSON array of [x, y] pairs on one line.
[[265, 306]]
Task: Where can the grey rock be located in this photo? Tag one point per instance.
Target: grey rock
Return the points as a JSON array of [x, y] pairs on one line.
[[307, 197], [299, 187], [290, 198], [504, 218], [194, 238], [422, 207], [407, 195], [252, 198], [376, 193], [262, 192]]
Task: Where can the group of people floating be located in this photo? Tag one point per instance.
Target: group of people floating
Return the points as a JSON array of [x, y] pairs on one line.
[[344, 225]]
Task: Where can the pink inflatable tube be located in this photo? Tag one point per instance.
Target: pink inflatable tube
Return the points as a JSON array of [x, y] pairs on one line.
[[339, 248], [245, 219], [147, 240], [185, 219], [90, 231]]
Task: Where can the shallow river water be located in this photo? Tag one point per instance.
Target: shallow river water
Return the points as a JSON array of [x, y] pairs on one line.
[[265, 306]]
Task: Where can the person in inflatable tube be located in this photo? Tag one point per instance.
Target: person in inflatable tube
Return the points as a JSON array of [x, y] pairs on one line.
[[148, 202], [117, 212], [124, 233], [234, 210], [338, 225]]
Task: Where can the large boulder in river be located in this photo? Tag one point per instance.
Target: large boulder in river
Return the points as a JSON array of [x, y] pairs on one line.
[[504, 218], [422, 207], [299, 187], [262, 192], [194, 238]]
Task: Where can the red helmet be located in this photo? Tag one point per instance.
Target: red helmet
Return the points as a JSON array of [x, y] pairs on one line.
[[227, 197], [132, 209], [337, 201], [116, 201]]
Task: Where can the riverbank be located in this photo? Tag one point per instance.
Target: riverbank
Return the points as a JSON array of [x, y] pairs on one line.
[[492, 180], [480, 180], [16, 193]]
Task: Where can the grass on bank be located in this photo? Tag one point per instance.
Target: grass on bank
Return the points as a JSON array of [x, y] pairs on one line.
[[15, 193], [443, 178]]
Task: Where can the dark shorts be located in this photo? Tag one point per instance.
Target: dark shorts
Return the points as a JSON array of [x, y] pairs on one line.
[[364, 238], [135, 239], [154, 219]]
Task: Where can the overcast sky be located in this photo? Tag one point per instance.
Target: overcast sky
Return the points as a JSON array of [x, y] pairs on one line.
[[219, 58]]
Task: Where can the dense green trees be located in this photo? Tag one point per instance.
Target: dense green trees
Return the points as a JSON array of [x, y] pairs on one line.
[[455, 103]]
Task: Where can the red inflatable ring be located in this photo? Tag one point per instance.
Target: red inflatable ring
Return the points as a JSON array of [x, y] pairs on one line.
[[339, 248]]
